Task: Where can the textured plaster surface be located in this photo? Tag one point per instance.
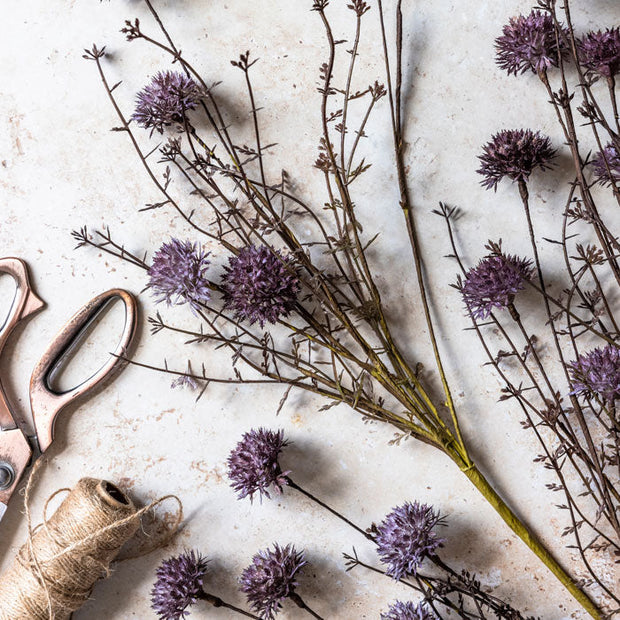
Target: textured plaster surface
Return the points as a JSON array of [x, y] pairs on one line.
[[61, 167]]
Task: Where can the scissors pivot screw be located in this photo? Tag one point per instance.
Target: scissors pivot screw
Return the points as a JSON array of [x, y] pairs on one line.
[[7, 476]]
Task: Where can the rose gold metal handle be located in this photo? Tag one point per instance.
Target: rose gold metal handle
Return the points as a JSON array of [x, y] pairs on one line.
[[15, 450], [47, 403], [24, 304]]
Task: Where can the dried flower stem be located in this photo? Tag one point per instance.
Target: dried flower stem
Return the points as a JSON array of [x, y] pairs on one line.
[[351, 355], [302, 605], [317, 501], [216, 601], [466, 465], [437, 590]]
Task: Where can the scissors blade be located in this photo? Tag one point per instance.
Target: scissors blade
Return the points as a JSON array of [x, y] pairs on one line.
[[3, 508]]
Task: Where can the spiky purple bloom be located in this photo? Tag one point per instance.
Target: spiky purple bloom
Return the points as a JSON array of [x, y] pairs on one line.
[[165, 100], [178, 585], [406, 536], [177, 274], [493, 283], [607, 165], [253, 464], [514, 153], [529, 42], [271, 578], [408, 611], [260, 284], [598, 372], [599, 52]]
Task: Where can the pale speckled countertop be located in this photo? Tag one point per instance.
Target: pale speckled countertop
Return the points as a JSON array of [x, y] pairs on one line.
[[62, 167]]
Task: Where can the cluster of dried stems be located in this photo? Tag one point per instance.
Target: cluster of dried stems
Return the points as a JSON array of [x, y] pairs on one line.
[[579, 436], [339, 343]]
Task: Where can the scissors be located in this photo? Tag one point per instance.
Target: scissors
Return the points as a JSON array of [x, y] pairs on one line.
[[19, 448]]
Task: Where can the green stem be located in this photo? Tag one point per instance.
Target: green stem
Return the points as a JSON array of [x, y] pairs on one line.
[[526, 535]]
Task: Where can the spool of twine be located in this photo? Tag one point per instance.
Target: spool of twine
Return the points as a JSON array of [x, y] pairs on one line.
[[54, 572]]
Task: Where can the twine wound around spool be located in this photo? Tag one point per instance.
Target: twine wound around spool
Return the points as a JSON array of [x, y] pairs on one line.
[[54, 572]]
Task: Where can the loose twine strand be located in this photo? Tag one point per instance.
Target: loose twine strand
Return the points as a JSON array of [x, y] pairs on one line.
[[55, 570]]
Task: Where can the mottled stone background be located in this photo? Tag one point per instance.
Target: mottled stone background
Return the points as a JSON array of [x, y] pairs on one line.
[[61, 168]]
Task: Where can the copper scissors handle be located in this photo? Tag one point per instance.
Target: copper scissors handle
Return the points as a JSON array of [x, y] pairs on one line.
[[47, 403], [24, 303], [16, 448]]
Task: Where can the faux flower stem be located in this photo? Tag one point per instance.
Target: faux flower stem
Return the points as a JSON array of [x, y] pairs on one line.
[[295, 486], [610, 510], [437, 589], [302, 605], [510, 518], [464, 462], [431, 428], [216, 601], [611, 85], [527, 536]]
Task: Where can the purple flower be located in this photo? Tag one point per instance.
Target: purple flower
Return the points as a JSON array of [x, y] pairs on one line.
[[408, 611], [271, 578], [260, 284], [529, 42], [597, 372], [599, 52], [184, 381], [178, 585], [253, 464], [165, 100], [493, 283], [406, 536], [607, 165], [178, 274], [514, 153]]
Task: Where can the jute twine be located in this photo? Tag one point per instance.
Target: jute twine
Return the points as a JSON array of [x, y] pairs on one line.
[[55, 570]]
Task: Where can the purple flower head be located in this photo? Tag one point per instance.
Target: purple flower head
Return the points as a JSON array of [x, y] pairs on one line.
[[253, 464], [177, 274], [271, 578], [183, 381], [514, 153], [260, 284], [597, 372], [599, 52], [406, 536], [178, 585], [493, 283], [408, 611], [529, 42], [607, 165], [165, 100]]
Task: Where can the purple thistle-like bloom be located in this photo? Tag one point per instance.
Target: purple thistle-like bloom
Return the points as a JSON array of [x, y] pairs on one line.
[[177, 274], [408, 611], [165, 100], [406, 536], [599, 52], [598, 372], [529, 42], [607, 165], [253, 464], [178, 585], [493, 283], [271, 578], [260, 284], [514, 153]]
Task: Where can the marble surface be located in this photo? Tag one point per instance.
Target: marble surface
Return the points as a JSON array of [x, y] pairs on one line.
[[62, 168]]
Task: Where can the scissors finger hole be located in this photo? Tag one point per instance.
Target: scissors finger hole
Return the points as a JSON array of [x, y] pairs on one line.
[[89, 350], [8, 293]]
